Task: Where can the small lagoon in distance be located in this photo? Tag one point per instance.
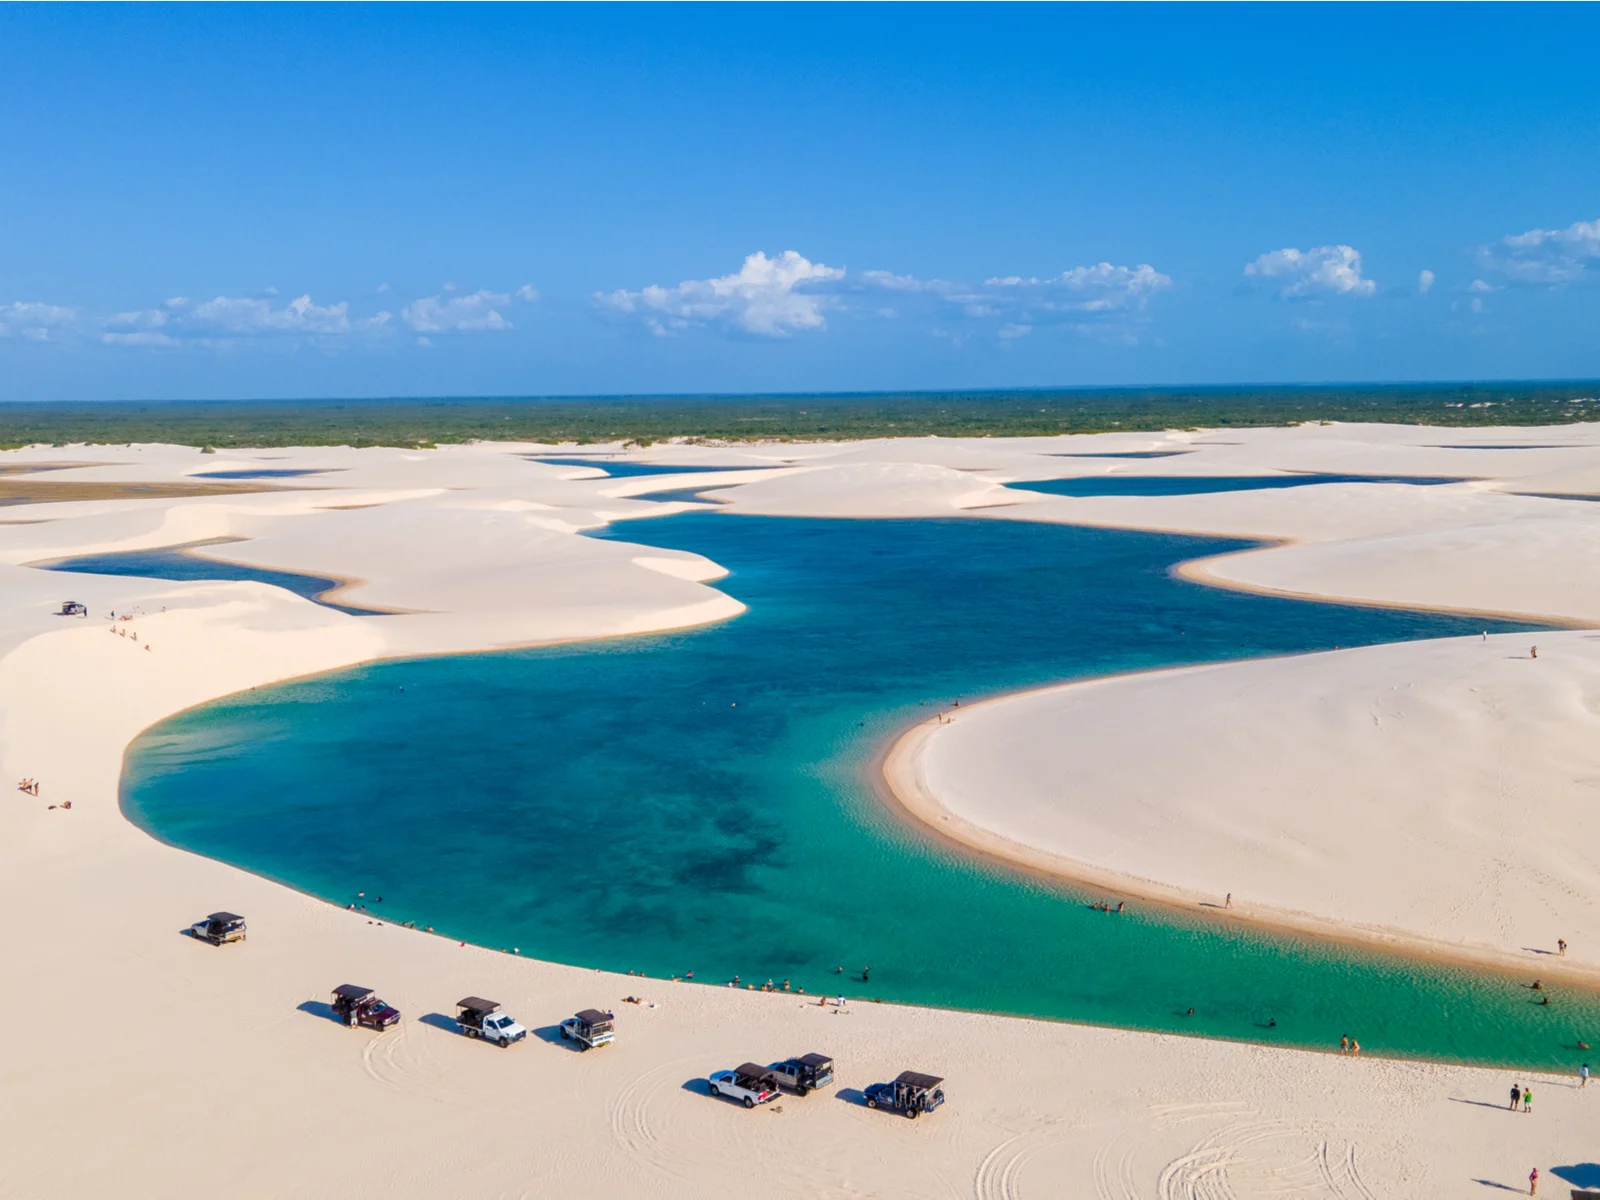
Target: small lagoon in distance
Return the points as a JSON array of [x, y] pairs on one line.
[[627, 468], [176, 562], [702, 801], [1196, 485]]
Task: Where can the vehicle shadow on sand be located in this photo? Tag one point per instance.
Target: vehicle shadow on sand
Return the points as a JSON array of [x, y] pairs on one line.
[[551, 1036], [318, 1008], [441, 1021], [699, 1085], [1582, 1175], [852, 1096]]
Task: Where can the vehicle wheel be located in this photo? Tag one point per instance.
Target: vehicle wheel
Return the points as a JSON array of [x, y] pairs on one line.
[[713, 1090], [801, 1090], [749, 1102], [871, 1103], [565, 1036], [912, 1113]]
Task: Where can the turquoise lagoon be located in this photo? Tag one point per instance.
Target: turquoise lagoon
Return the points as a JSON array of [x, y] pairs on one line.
[[703, 800]]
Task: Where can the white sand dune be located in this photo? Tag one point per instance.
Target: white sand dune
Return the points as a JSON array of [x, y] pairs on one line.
[[1438, 792], [142, 1063]]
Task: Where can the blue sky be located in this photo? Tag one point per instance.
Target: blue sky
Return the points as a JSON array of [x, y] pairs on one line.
[[229, 201]]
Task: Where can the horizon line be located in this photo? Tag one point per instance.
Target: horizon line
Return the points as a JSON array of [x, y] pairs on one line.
[[1047, 390]]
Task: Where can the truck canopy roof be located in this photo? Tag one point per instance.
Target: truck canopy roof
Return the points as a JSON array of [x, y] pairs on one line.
[[478, 1003], [591, 1016], [814, 1060], [913, 1079], [224, 918], [750, 1070], [351, 991]]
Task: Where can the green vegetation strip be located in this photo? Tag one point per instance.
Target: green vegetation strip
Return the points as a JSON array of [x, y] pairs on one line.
[[837, 417]]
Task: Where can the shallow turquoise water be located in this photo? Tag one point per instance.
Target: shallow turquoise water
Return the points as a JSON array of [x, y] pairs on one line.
[[699, 801]]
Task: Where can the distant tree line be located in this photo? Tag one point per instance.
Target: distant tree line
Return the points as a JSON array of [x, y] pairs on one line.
[[225, 424]]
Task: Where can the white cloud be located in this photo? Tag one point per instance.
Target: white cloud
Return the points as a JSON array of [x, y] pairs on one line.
[[1424, 281], [1100, 288], [35, 322], [1103, 301], [473, 313], [141, 337], [228, 314], [233, 320], [1320, 271], [773, 297], [1480, 286], [766, 297], [888, 281], [1547, 256], [227, 320]]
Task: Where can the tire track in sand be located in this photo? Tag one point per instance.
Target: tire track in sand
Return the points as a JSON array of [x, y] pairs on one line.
[[634, 1123], [1266, 1157]]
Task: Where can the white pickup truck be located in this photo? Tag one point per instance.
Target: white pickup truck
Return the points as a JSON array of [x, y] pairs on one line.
[[219, 928], [749, 1083], [589, 1029], [480, 1018]]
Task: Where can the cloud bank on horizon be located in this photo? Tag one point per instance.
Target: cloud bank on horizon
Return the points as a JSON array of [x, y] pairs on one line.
[[787, 293], [777, 297]]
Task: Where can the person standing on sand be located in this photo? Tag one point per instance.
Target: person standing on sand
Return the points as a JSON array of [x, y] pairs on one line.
[[1227, 901], [1534, 653], [1355, 1048], [1533, 1182], [1583, 1076], [1344, 1044], [1516, 1095], [1527, 1100], [1561, 946]]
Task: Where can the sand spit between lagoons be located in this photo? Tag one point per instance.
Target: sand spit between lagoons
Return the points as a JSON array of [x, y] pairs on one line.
[[146, 1064]]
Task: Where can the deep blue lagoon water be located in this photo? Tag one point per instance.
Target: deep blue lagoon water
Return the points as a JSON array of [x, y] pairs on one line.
[[261, 473], [170, 563], [702, 800], [622, 468], [1195, 485]]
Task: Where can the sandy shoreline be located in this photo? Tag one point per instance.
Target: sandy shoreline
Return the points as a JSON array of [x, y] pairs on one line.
[[904, 793], [1202, 571]]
